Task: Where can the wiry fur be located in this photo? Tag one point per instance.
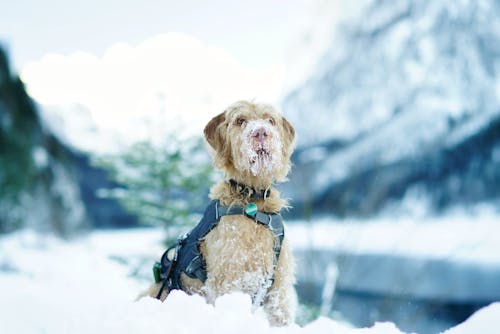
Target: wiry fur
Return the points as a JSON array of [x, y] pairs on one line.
[[239, 252]]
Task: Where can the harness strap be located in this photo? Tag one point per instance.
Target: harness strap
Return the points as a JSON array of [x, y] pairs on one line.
[[194, 266], [271, 220]]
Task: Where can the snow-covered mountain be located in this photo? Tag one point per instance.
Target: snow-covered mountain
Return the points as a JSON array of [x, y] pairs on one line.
[[44, 184], [404, 104]]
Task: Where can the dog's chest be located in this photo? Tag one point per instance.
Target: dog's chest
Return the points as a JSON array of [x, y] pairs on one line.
[[237, 247]]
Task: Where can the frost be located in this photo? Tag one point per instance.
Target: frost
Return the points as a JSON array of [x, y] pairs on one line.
[[257, 282], [261, 157]]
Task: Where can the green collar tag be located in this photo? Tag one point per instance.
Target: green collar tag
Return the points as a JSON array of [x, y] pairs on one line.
[[251, 209]]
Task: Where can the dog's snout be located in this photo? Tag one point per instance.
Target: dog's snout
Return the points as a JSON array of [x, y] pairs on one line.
[[260, 134]]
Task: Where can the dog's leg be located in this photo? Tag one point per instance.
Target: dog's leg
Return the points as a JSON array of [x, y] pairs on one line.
[[153, 291], [281, 301]]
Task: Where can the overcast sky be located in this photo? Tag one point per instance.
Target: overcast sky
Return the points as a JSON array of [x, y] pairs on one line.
[[113, 65], [256, 32]]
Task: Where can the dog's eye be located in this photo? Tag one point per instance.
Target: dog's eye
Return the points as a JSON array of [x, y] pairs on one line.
[[272, 121], [240, 121]]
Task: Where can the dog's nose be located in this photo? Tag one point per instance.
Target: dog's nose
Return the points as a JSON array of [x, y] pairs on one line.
[[260, 134]]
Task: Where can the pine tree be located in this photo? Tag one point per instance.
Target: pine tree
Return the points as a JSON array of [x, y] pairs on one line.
[[163, 185]]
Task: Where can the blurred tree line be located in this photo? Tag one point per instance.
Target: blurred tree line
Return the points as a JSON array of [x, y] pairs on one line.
[[17, 129], [39, 185], [164, 185], [47, 186]]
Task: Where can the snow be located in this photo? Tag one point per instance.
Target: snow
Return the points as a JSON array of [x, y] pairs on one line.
[[260, 163], [88, 285], [458, 237], [453, 258], [419, 83], [40, 157], [331, 276]]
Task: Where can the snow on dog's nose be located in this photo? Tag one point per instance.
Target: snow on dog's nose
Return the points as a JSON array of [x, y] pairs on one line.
[[260, 134], [260, 147]]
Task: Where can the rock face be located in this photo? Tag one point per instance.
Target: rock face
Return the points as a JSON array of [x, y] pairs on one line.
[[43, 183], [403, 109]]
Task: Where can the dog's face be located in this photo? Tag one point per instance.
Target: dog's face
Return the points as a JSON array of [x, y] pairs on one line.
[[251, 142]]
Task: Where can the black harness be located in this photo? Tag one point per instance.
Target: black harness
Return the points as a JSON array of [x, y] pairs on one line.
[[185, 256]]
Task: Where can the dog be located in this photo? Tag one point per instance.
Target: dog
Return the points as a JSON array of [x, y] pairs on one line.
[[252, 144]]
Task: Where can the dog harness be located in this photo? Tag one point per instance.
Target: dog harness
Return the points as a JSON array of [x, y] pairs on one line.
[[185, 256]]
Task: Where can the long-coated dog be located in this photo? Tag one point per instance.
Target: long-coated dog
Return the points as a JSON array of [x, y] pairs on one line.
[[252, 145]]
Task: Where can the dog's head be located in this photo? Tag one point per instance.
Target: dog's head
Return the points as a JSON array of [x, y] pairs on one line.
[[252, 142]]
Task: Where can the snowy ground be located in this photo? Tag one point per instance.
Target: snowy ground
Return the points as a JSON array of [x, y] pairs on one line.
[[455, 258], [458, 237], [88, 285]]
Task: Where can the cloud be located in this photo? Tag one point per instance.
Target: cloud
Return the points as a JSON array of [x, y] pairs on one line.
[[166, 79]]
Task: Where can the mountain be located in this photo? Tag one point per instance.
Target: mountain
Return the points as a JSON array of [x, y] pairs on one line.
[[44, 184], [402, 112]]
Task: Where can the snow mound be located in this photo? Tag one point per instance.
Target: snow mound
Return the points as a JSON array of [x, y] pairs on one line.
[[51, 286], [182, 313]]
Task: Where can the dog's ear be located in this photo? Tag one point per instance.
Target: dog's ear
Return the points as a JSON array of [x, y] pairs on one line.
[[211, 130], [288, 129]]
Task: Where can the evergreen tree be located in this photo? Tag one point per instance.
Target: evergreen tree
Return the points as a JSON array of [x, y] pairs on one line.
[[163, 185], [18, 128], [38, 175]]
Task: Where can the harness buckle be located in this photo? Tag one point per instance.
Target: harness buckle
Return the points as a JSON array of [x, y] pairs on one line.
[[182, 237]]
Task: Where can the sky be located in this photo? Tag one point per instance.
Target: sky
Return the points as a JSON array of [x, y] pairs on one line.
[[129, 70], [35, 28]]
